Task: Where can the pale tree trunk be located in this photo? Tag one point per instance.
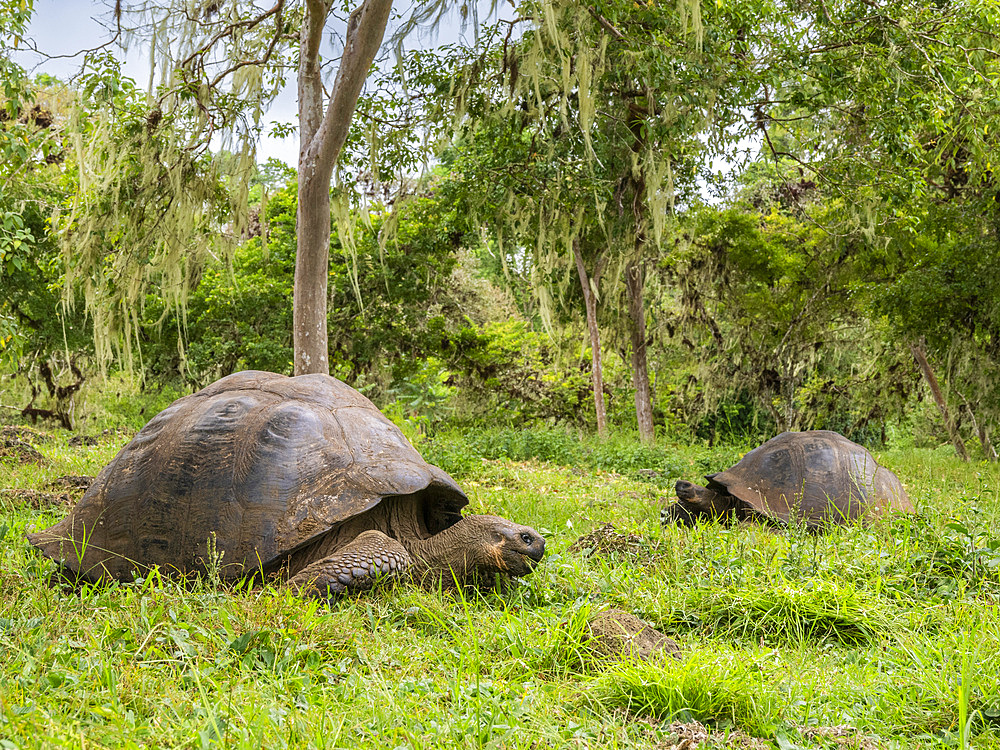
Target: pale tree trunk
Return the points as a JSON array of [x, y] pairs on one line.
[[596, 376], [634, 280], [322, 135], [920, 354]]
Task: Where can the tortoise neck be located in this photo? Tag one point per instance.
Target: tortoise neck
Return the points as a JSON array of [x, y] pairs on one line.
[[450, 551]]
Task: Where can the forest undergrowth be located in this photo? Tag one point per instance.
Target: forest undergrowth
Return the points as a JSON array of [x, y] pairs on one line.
[[859, 638]]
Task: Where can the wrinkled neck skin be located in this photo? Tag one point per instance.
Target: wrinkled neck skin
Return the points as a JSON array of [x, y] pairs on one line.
[[459, 551]]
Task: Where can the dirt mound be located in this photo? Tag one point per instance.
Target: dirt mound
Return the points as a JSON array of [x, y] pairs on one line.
[[606, 540], [22, 452], [621, 635], [72, 483], [78, 441], [23, 434], [37, 499]]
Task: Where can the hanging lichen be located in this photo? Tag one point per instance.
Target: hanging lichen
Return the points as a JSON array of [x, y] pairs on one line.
[[163, 174], [593, 128]]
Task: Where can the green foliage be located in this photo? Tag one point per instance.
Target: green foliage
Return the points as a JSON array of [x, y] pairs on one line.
[[550, 155], [719, 688], [543, 444], [39, 327], [769, 314], [459, 453], [391, 299], [237, 318], [514, 373], [425, 395], [945, 294], [44, 346], [31, 186], [624, 455]]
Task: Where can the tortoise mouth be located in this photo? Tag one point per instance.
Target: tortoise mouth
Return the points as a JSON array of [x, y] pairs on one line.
[[523, 563], [685, 490], [532, 558]]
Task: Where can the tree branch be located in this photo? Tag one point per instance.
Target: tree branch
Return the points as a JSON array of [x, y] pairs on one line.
[[606, 24], [310, 79], [365, 30], [230, 29], [267, 53]]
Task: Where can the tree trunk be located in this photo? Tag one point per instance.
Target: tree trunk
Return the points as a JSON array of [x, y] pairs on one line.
[[322, 136], [634, 280], [920, 354], [989, 452], [596, 376]]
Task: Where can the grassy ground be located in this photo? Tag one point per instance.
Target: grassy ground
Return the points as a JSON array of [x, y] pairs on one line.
[[880, 638]]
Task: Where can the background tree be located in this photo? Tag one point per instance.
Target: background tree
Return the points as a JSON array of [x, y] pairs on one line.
[[46, 352], [322, 133], [219, 66], [593, 131]]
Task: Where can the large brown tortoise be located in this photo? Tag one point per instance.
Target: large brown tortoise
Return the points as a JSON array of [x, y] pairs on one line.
[[816, 478], [265, 473]]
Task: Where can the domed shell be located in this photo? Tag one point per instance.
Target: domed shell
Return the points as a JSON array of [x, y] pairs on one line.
[[262, 463], [817, 477]]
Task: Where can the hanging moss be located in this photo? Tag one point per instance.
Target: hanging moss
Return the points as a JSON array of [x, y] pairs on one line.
[[593, 134], [163, 174]]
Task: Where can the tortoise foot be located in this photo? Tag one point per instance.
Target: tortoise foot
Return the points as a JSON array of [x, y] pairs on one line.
[[370, 558]]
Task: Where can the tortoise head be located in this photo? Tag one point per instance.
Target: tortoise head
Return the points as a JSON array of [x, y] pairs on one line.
[[695, 503], [508, 547], [482, 544]]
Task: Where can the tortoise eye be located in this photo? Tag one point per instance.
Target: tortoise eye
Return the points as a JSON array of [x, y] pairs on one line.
[[527, 538]]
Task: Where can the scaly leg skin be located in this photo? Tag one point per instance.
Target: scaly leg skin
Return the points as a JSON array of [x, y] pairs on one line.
[[371, 556]]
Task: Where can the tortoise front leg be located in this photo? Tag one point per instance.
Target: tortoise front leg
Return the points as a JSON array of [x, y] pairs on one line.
[[371, 556]]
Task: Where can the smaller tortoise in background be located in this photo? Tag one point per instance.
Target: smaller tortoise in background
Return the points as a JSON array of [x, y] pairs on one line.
[[300, 474], [816, 478]]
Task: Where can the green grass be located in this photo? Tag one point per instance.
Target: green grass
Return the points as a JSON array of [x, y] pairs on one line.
[[892, 630]]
